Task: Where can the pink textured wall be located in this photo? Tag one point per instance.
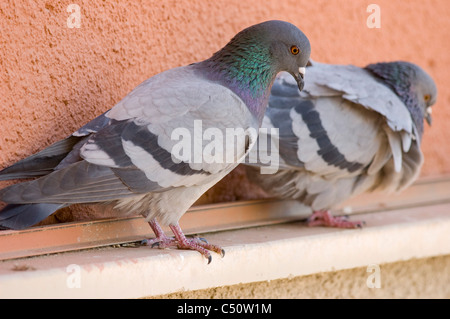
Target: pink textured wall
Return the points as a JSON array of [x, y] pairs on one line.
[[53, 79]]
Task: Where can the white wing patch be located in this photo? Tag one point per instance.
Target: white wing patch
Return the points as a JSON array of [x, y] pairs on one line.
[[96, 155]]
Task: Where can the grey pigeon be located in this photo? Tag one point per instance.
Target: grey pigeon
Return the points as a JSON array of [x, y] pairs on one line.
[[350, 130], [130, 156]]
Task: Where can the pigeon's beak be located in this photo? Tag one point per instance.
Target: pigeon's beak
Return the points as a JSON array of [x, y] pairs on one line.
[[299, 77], [428, 116]]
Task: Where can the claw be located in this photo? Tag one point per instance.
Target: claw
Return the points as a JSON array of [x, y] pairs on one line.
[[180, 241], [155, 244], [203, 239]]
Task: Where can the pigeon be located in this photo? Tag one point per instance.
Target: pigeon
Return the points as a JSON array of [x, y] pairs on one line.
[[149, 153], [351, 130]]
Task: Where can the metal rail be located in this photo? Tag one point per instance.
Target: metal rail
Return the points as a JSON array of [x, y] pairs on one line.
[[206, 218]]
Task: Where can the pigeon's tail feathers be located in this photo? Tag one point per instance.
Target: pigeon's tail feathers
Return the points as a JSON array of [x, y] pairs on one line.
[[80, 182], [20, 216], [390, 180], [41, 163], [57, 156], [412, 165]]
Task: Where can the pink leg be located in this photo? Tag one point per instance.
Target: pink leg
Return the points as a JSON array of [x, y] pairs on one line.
[[180, 241], [161, 238], [324, 218], [198, 244]]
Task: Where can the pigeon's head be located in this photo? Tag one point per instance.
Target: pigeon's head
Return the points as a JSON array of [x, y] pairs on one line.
[[413, 86], [288, 46], [256, 54], [425, 89]]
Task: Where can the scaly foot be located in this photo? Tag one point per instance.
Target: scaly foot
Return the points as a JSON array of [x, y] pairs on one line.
[[180, 241], [324, 218]]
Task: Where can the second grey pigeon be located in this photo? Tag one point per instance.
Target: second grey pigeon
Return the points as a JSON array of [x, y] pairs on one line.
[[146, 155], [351, 130]]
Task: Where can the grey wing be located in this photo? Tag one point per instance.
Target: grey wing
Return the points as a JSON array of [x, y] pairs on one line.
[[75, 180], [317, 134], [131, 152], [331, 147], [41, 163], [55, 156], [356, 85], [359, 86]]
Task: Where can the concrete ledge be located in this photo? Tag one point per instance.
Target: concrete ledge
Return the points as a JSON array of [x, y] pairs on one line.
[[253, 254]]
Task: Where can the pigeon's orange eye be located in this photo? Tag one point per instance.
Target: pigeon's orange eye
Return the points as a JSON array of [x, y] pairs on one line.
[[427, 97], [295, 50]]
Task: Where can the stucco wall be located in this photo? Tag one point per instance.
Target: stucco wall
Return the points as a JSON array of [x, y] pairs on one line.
[[416, 278], [53, 79]]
